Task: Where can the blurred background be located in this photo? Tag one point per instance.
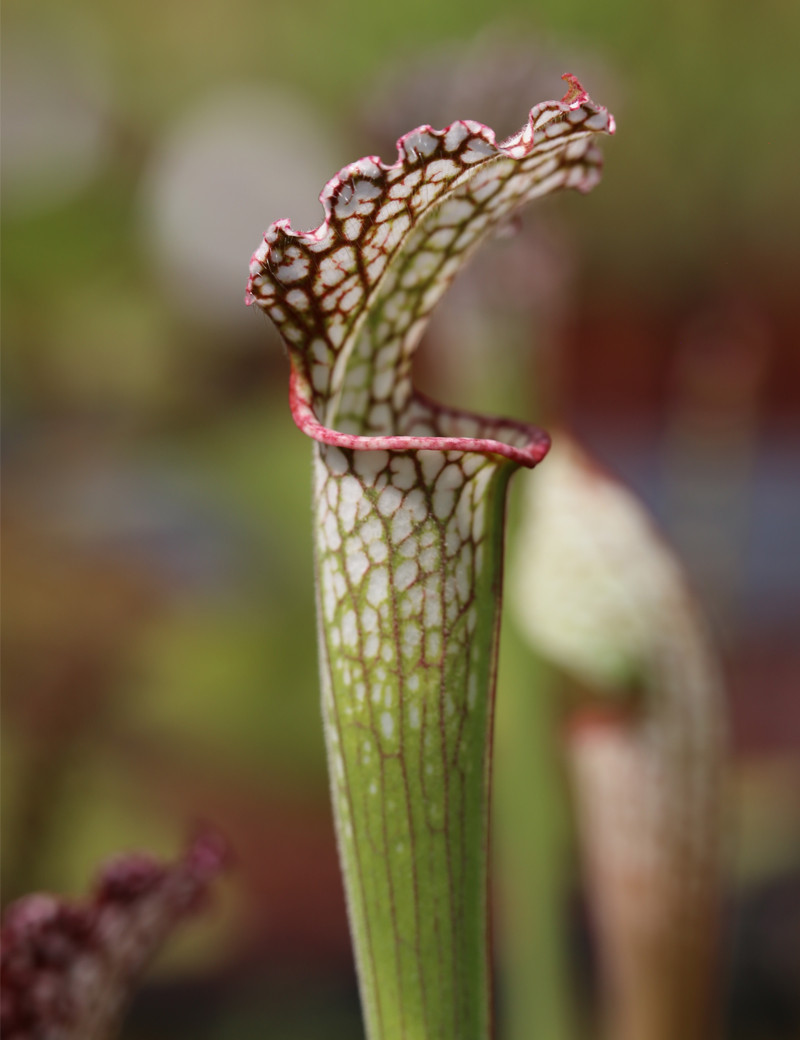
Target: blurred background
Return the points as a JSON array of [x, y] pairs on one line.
[[159, 657]]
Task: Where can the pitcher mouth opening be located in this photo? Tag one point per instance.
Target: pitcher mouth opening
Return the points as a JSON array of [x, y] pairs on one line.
[[450, 429]]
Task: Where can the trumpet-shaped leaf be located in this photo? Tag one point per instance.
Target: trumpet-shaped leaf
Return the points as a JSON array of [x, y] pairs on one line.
[[598, 592], [409, 502]]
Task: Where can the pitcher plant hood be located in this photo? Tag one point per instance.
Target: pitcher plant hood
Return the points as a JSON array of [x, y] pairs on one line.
[[352, 298]]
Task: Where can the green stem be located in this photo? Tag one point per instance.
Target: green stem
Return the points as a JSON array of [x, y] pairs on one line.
[[531, 850], [409, 607]]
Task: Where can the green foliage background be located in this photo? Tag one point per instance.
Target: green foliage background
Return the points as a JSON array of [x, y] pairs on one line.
[[136, 701]]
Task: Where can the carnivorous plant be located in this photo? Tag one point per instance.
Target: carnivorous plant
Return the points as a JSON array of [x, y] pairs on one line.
[[600, 594], [409, 500]]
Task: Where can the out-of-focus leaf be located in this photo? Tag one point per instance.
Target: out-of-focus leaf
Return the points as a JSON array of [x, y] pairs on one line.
[[69, 968], [597, 591]]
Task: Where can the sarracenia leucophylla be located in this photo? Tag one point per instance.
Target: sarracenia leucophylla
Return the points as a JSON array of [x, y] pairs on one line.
[[409, 501]]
